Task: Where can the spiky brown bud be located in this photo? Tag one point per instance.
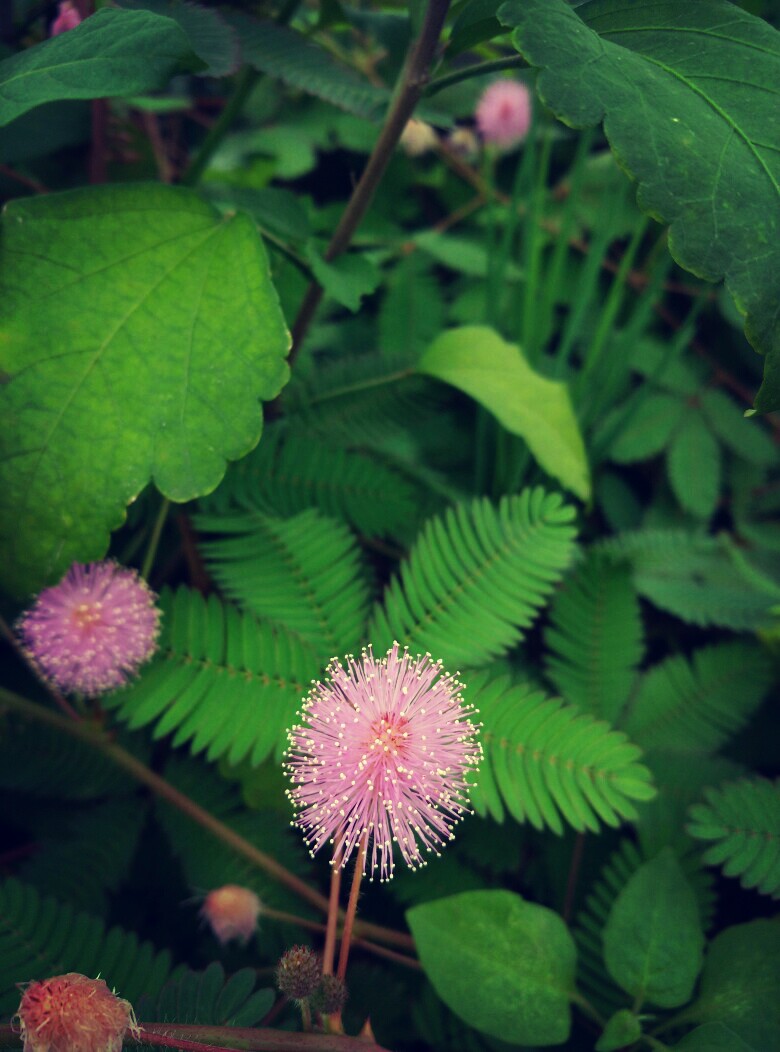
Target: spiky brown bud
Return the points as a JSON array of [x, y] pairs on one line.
[[331, 995], [298, 972]]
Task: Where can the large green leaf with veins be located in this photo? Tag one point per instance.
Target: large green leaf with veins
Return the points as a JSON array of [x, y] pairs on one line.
[[139, 332], [690, 98]]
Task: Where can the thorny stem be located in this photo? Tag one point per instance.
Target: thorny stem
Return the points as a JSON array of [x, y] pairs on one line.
[[93, 736], [411, 85], [349, 920]]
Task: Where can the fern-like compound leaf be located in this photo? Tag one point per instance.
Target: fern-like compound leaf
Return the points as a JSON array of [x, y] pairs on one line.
[[595, 637], [476, 577], [743, 820], [696, 706], [288, 473], [304, 574], [546, 763], [222, 680], [208, 998], [40, 937]]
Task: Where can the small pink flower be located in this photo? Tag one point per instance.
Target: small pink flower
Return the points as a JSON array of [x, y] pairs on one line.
[[93, 629], [504, 113], [67, 18], [383, 752], [71, 1013], [232, 912]]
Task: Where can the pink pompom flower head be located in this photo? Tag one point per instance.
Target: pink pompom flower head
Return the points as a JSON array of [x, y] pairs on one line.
[[231, 912], [382, 754], [92, 630], [72, 1013], [504, 113], [67, 18]]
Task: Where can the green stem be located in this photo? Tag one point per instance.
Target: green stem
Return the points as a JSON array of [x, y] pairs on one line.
[[154, 540], [493, 66], [586, 1007], [97, 739], [362, 385], [245, 82]]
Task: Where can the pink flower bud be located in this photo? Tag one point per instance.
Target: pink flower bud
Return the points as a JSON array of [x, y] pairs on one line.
[[504, 113], [67, 18], [232, 912], [71, 1013]]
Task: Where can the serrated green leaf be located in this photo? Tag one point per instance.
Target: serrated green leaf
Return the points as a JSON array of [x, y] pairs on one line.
[[141, 330], [740, 984], [504, 965], [112, 53], [693, 462], [649, 429], [653, 940], [688, 95], [209, 35], [496, 374]]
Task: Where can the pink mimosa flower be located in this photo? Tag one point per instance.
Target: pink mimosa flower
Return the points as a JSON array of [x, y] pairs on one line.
[[71, 1013], [92, 630], [504, 113], [232, 912], [67, 18], [382, 754]]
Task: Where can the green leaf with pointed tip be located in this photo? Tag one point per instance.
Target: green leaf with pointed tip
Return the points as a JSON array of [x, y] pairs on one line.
[[693, 463], [688, 93], [652, 939], [504, 965], [622, 1029], [141, 331], [478, 362], [111, 53]]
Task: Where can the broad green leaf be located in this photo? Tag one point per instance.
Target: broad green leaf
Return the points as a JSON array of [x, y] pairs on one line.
[[503, 965], [740, 984], [652, 939], [140, 333], [210, 37], [688, 93], [714, 1037], [622, 1029], [648, 430], [693, 463], [111, 53], [478, 362]]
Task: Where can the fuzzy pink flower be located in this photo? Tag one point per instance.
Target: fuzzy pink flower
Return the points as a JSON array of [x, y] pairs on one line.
[[504, 113], [232, 912], [93, 629], [67, 18], [71, 1013], [383, 752]]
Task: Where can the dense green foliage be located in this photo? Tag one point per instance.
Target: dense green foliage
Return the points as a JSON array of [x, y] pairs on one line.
[[522, 430]]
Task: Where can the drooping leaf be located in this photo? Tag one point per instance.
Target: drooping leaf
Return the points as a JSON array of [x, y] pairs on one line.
[[112, 53], [221, 680], [740, 984], [546, 761], [688, 95], [209, 35], [40, 937], [504, 965], [140, 333], [693, 462], [595, 638], [476, 577], [478, 362], [653, 940], [743, 818], [694, 707]]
